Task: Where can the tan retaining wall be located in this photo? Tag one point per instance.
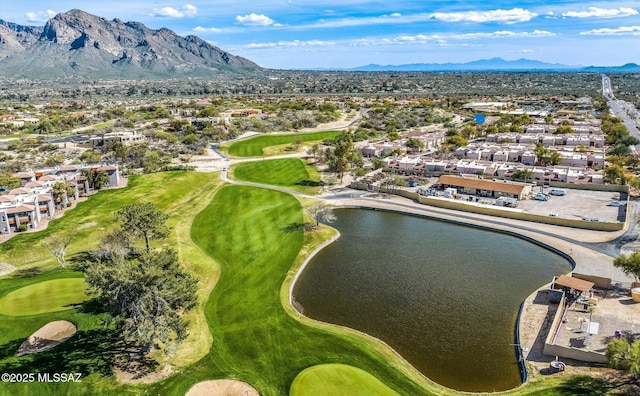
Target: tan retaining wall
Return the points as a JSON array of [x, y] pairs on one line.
[[592, 187], [598, 281], [576, 354]]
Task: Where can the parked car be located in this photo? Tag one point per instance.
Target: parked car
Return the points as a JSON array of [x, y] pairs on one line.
[[540, 197], [558, 191], [616, 203]]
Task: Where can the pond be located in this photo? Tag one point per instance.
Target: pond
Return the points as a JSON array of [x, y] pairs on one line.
[[444, 296]]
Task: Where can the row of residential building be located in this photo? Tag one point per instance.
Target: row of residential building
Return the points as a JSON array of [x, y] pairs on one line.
[[550, 140], [425, 166], [33, 201], [430, 141], [523, 153]]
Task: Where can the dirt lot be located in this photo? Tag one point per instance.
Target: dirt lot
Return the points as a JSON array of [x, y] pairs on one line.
[[615, 310]]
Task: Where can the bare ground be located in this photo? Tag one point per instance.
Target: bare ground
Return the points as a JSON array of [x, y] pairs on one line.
[[226, 387]]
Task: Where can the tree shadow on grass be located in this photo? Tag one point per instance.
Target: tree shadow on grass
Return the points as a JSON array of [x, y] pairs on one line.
[[9, 349], [86, 352], [27, 272], [78, 261], [606, 385], [295, 227], [310, 183]]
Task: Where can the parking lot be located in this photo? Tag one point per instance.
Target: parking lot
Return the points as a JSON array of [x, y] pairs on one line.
[[575, 204], [578, 204]]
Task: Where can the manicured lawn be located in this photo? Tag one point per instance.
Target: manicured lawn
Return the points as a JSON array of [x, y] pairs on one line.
[[252, 234], [44, 297], [286, 172], [87, 352], [247, 240], [253, 147], [181, 195], [170, 191], [338, 379]]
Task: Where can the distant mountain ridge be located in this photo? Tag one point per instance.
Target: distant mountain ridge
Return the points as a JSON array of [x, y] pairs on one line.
[[76, 43], [494, 64]]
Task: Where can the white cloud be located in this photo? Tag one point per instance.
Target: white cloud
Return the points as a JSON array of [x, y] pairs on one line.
[[513, 15], [502, 16], [187, 10], [595, 12], [40, 16], [443, 39], [503, 34], [293, 43], [201, 29], [254, 19], [621, 31]]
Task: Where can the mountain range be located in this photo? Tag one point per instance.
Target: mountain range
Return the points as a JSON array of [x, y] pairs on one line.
[[496, 64], [76, 43], [79, 44]]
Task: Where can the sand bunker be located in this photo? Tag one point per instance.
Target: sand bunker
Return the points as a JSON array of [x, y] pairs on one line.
[[225, 387], [48, 336], [6, 269]]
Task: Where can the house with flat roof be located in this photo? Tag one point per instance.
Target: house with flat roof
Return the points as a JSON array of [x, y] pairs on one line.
[[485, 188]]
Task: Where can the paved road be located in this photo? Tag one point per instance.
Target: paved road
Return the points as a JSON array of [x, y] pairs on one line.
[[624, 110]]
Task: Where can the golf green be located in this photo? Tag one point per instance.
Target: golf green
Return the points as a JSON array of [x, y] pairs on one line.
[[338, 379], [44, 297]]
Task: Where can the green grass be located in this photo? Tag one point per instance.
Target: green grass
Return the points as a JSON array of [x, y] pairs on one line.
[[85, 352], [90, 219], [252, 234], [286, 172], [44, 297], [248, 241], [338, 380], [89, 351], [253, 147]]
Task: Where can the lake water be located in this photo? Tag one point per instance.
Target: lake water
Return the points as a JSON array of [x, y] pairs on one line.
[[444, 296]]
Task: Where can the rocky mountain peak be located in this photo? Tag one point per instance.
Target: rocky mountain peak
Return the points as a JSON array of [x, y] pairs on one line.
[[76, 41]]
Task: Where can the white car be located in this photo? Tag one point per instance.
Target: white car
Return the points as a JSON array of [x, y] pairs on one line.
[[616, 203], [540, 197]]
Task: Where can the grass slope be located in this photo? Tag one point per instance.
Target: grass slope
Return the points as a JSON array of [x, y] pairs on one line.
[[253, 147], [286, 172], [44, 297], [181, 195], [89, 219]]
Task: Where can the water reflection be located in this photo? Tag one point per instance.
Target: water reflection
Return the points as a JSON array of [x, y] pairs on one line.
[[444, 296]]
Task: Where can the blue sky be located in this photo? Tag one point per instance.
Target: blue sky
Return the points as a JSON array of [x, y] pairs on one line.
[[292, 34]]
